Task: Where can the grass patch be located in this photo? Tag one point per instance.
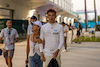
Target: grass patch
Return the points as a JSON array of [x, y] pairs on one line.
[[88, 39]]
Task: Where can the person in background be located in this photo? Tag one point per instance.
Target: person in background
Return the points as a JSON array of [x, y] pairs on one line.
[[10, 36], [66, 29], [81, 28], [23, 28], [70, 33], [78, 33]]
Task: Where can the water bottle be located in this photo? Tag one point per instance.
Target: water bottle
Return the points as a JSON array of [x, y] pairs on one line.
[[0, 51]]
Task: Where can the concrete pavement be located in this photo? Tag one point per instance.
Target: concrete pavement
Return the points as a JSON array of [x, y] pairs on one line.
[[78, 55]]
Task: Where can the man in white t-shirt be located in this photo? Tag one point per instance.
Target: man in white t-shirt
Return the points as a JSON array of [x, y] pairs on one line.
[[66, 29], [52, 34]]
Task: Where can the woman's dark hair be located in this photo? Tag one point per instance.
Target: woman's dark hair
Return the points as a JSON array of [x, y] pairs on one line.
[[79, 24], [70, 24]]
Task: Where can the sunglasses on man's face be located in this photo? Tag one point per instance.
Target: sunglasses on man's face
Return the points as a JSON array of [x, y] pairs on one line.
[[9, 32]]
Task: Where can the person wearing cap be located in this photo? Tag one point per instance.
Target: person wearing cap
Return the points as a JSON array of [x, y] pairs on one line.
[[33, 48], [10, 36], [33, 19], [29, 31], [66, 29], [52, 34]]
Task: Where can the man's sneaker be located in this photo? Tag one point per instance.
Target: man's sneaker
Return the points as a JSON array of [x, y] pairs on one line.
[[64, 50]]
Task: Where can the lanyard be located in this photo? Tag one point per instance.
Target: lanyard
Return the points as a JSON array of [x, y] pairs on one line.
[[34, 47], [9, 32], [34, 44]]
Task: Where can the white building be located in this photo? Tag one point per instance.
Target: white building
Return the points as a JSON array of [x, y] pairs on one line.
[[24, 9]]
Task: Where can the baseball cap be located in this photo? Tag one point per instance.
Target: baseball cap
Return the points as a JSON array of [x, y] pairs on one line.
[[36, 24], [34, 17]]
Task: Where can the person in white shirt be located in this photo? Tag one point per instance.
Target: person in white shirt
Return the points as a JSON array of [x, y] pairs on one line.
[[66, 29], [29, 32], [33, 19], [52, 34], [10, 36], [34, 51]]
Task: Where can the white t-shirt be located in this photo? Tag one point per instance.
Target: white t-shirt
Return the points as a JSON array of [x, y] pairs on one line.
[[34, 48], [53, 36], [9, 38], [65, 29]]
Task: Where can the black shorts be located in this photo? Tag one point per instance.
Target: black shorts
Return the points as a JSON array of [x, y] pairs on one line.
[[78, 33]]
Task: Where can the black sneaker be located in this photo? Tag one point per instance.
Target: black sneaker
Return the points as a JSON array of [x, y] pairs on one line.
[[75, 42]]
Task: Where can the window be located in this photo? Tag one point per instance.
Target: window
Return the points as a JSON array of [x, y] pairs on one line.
[[60, 1], [56, 2], [5, 14], [51, 0]]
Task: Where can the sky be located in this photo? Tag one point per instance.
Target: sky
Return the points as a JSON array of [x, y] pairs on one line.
[[79, 5]]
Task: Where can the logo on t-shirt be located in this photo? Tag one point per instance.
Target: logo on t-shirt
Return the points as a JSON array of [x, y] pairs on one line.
[[55, 32]]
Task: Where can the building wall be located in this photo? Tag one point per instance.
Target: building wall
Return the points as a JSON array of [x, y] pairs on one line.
[[65, 4], [21, 8]]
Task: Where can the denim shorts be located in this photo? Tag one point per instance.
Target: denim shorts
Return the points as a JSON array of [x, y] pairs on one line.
[[35, 61]]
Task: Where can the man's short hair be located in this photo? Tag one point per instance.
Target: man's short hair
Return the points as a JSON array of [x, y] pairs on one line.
[[34, 18], [63, 23], [9, 20], [51, 10]]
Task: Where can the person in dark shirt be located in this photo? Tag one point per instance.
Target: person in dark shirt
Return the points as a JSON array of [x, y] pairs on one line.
[[78, 33]]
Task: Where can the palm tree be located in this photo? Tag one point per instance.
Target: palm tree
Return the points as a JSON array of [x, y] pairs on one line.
[[95, 16], [86, 19]]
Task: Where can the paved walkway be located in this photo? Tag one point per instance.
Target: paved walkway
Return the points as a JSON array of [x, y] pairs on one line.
[[78, 55]]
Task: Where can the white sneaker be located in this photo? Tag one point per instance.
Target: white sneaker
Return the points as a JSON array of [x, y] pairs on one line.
[[64, 50]]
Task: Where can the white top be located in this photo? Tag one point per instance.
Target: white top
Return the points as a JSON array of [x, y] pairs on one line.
[[66, 29], [29, 32], [34, 48], [9, 38], [29, 29], [52, 34]]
